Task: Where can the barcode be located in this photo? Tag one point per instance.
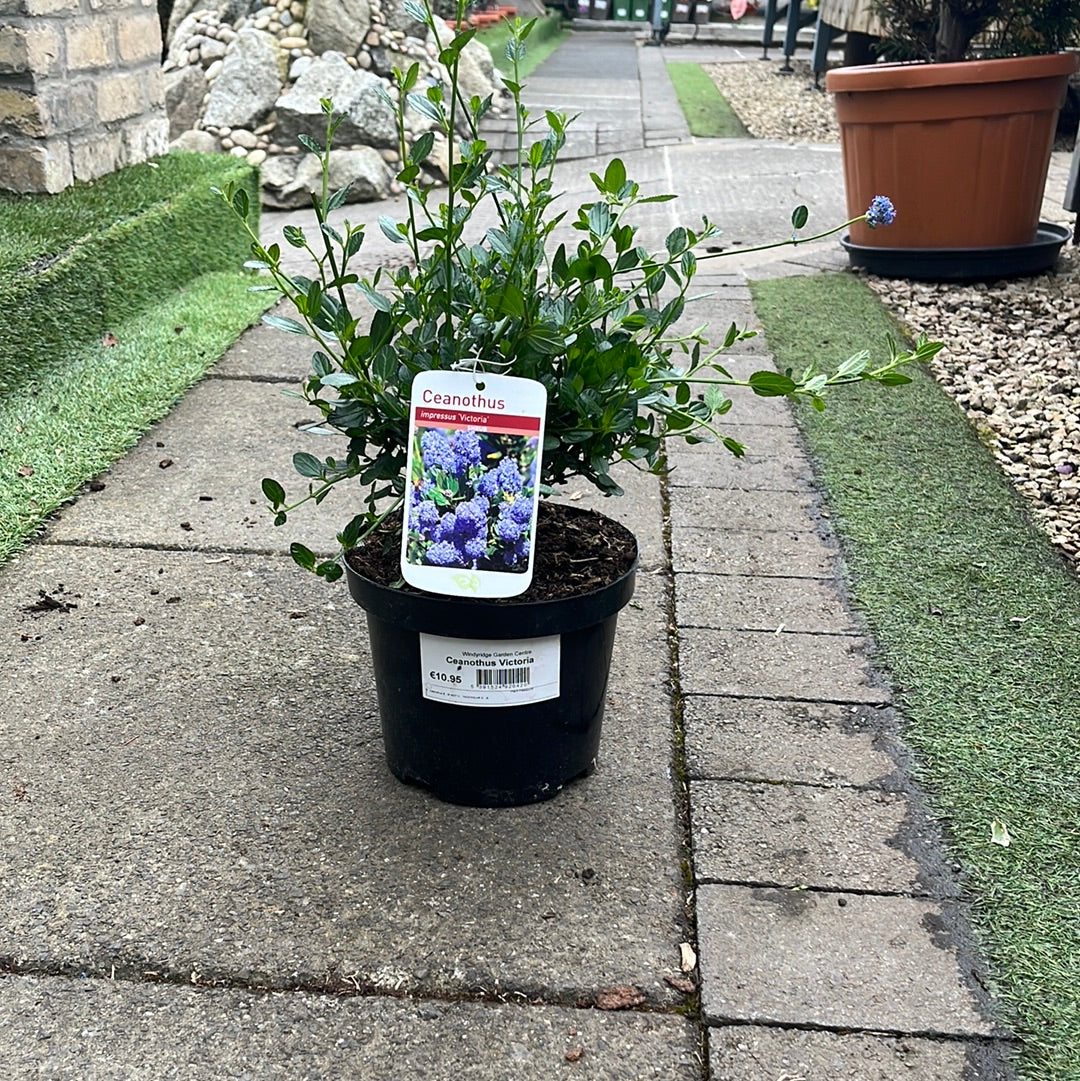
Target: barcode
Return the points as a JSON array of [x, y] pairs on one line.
[[503, 677]]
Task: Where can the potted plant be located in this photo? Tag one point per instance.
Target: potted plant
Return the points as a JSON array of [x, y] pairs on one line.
[[498, 700], [958, 128]]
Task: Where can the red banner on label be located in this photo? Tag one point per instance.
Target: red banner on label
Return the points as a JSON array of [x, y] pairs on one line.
[[476, 420]]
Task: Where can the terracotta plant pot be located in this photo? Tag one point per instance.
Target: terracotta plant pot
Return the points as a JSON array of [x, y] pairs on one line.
[[962, 150]]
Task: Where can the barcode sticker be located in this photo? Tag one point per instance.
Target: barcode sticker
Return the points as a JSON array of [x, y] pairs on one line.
[[503, 677], [502, 673]]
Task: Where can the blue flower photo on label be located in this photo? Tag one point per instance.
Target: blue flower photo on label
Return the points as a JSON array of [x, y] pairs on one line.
[[471, 500]]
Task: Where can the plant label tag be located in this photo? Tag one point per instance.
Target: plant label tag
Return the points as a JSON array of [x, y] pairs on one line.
[[504, 673], [475, 442]]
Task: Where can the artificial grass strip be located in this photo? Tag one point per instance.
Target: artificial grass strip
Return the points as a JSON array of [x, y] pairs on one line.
[[977, 619], [89, 406], [75, 264], [707, 112]]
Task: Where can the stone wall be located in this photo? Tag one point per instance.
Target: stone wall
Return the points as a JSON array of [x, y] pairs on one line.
[[247, 77], [81, 90]]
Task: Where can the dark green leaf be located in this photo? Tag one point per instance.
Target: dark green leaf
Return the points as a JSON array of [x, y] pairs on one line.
[[294, 235], [376, 300], [392, 230], [799, 216], [675, 241], [338, 200], [422, 147], [307, 465], [303, 556], [771, 384], [283, 322], [599, 219], [330, 570], [615, 176], [308, 143], [273, 492]]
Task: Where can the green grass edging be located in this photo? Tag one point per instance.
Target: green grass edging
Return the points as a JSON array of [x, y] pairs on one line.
[[547, 35], [976, 617], [90, 405], [77, 264], [708, 114]]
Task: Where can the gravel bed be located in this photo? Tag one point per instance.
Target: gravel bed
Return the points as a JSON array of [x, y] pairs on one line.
[[775, 106], [1012, 360]]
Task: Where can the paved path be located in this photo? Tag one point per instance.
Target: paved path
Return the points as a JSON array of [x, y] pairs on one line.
[[209, 873]]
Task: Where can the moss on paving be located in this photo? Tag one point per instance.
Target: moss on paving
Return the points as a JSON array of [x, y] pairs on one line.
[[89, 405], [708, 114], [976, 617], [76, 264]]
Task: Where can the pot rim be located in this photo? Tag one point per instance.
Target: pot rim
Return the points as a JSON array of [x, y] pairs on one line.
[[920, 73]]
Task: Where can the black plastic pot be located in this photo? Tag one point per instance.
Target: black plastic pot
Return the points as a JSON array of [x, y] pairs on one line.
[[491, 756]]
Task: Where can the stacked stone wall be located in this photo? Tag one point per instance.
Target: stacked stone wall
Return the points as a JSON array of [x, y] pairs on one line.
[[81, 90]]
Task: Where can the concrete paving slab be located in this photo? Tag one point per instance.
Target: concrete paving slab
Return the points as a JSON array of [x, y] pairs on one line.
[[104, 1030], [736, 508], [774, 460], [786, 268], [747, 408], [741, 365], [713, 181], [761, 604], [267, 354], [791, 554], [759, 664], [797, 835], [717, 308], [218, 443], [841, 961], [756, 1053], [761, 739], [205, 792]]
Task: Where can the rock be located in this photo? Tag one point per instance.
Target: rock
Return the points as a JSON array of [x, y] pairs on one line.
[[355, 93], [256, 157], [182, 12], [247, 139], [385, 58], [178, 49], [214, 70], [337, 25], [289, 181], [476, 71], [397, 18], [210, 50], [185, 89], [299, 66], [248, 85], [294, 42], [197, 142]]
